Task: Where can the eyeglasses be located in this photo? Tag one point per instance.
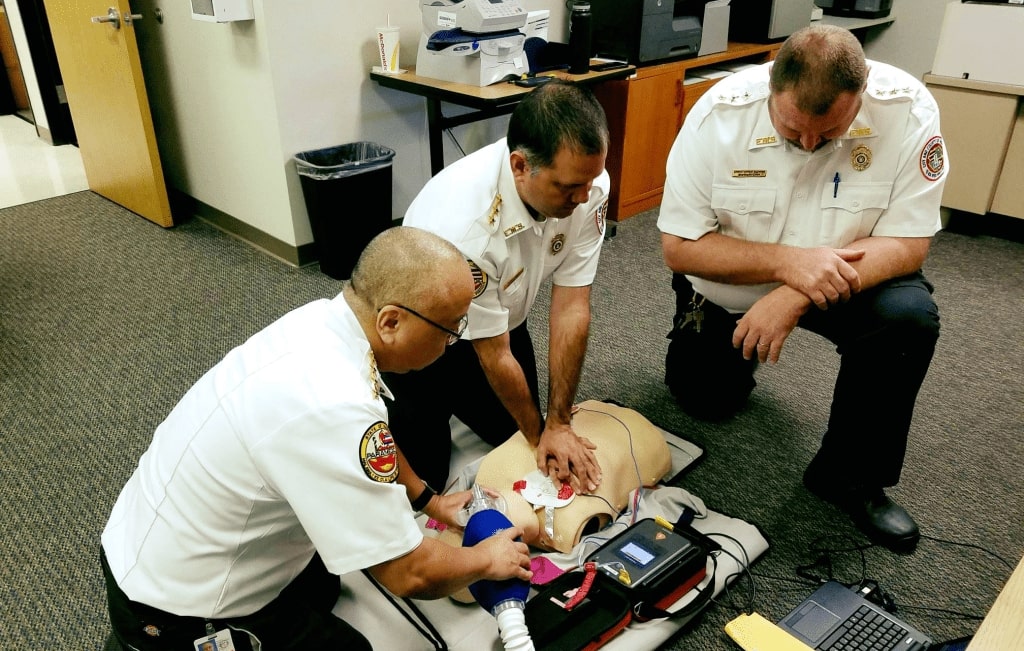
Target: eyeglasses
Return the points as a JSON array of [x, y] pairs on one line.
[[453, 335]]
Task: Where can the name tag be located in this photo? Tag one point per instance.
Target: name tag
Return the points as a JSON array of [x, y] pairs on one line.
[[749, 174]]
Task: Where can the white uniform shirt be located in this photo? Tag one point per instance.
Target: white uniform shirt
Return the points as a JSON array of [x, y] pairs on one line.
[[729, 171], [279, 450], [513, 254]]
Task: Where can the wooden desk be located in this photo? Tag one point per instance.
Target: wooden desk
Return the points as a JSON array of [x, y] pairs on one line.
[[1003, 627], [488, 101]]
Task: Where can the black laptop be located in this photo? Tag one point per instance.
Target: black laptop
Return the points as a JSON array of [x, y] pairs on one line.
[[836, 617]]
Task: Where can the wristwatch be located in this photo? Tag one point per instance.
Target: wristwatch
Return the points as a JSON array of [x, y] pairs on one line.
[[421, 502]]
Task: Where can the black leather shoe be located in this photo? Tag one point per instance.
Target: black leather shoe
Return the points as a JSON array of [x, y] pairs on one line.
[[878, 517]]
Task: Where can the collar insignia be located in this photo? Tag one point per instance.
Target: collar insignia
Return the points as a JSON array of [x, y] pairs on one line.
[[512, 230], [492, 216], [374, 377]]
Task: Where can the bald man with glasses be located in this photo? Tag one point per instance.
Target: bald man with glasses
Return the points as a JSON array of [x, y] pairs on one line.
[[277, 471], [453, 335]]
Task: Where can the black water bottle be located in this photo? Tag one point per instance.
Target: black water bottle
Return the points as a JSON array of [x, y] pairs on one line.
[[579, 38]]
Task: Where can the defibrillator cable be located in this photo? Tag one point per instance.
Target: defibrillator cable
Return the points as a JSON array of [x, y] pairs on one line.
[[635, 503]]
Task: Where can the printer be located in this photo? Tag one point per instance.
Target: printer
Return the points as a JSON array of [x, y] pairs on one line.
[[645, 31], [475, 42], [856, 8]]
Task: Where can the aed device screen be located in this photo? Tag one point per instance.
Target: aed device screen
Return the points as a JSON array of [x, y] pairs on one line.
[[634, 552]]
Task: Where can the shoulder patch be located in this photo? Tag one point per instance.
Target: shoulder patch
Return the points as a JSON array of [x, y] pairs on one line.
[[378, 454], [933, 159], [479, 279], [601, 217]]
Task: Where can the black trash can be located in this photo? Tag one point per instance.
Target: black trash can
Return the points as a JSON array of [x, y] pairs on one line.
[[348, 197]]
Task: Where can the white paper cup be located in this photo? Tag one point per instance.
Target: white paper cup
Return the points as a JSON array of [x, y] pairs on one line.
[[387, 48]]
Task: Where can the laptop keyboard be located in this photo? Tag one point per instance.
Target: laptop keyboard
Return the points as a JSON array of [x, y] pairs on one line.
[[865, 630]]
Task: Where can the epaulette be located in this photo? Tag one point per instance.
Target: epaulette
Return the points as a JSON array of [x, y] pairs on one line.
[[888, 93], [736, 95]]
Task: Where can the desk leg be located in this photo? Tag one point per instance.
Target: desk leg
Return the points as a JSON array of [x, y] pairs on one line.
[[434, 133]]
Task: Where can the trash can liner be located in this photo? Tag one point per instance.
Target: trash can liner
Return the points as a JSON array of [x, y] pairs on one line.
[[343, 160], [335, 181]]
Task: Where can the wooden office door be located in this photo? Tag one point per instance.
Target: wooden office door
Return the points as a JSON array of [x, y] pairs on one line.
[[99, 62]]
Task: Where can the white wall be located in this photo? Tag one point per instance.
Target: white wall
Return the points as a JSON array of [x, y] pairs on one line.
[[911, 40], [234, 102]]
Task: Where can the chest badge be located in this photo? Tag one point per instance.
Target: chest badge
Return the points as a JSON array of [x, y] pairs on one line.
[[860, 158], [557, 242]]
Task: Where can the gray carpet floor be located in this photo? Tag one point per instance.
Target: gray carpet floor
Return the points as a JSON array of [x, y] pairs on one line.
[[106, 319]]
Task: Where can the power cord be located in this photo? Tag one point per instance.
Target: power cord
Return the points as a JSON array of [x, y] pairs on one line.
[[822, 569], [744, 569], [971, 546]]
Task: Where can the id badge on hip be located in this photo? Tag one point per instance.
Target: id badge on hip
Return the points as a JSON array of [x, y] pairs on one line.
[[219, 641]]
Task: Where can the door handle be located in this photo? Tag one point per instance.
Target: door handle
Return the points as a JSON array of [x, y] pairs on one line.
[[112, 17], [129, 17]]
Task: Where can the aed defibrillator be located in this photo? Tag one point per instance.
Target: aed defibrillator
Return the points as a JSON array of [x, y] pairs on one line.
[[635, 575]]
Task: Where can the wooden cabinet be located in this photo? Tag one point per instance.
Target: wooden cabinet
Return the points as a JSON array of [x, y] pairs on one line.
[[645, 113], [1009, 196], [983, 127]]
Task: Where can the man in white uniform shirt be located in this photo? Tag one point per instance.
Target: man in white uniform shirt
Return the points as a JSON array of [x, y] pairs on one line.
[[806, 192], [277, 472], [526, 209]]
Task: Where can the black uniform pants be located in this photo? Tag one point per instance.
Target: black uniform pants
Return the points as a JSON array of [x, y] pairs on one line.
[[454, 385], [886, 337], [299, 619]]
